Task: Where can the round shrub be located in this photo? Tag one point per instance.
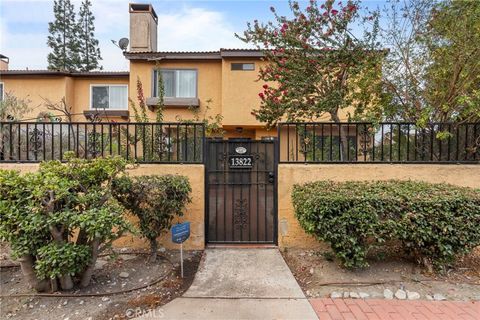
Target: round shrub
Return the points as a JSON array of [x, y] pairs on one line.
[[155, 200]]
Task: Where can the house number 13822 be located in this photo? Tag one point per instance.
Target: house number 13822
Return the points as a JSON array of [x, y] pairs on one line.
[[240, 162]]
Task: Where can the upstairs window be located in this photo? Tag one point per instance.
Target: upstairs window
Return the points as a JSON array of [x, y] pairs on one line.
[[112, 97], [177, 83], [243, 66], [1, 91]]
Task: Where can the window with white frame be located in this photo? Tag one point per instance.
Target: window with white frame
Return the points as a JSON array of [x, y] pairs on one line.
[[177, 83], [1, 91], [109, 96]]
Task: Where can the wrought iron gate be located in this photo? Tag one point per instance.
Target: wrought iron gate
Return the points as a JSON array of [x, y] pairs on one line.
[[241, 181]]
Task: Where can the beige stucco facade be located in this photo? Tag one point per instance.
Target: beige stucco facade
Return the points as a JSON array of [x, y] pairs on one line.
[[37, 91], [208, 86], [292, 235], [41, 88]]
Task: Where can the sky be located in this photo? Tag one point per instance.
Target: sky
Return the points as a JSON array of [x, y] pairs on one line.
[[182, 26]]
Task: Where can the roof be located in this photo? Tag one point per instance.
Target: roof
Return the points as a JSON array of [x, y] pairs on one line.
[[194, 55], [56, 73], [3, 56]]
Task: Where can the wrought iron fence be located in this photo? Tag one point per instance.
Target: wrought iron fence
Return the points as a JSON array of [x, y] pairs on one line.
[[168, 142], [175, 142], [388, 142]]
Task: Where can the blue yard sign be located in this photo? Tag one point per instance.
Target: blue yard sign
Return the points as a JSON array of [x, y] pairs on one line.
[[180, 232]]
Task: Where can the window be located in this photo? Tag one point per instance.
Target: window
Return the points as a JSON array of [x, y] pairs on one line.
[[114, 97], [1, 91], [243, 66], [176, 83]]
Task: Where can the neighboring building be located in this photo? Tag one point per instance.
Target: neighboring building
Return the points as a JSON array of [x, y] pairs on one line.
[[83, 92]]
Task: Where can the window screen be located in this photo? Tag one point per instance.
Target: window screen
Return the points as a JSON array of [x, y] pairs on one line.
[[243, 66], [168, 77], [100, 97], [109, 97], [177, 83]]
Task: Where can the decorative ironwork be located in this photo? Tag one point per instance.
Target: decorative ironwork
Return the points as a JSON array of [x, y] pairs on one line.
[[36, 141], [386, 142], [240, 214], [162, 142]]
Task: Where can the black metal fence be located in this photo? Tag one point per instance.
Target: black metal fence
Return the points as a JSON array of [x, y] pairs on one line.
[[389, 142], [142, 142], [175, 142]]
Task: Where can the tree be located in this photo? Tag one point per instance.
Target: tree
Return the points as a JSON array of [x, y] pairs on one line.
[[155, 200], [60, 218], [89, 51], [63, 38], [453, 77], [315, 63], [13, 108], [432, 71]]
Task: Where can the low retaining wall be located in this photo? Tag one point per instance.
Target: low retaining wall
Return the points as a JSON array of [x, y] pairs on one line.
[[290, 234], [195, 212]]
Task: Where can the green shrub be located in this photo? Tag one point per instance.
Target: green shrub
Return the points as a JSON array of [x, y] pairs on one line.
[[155, 200], [59, 219], [435, 222]]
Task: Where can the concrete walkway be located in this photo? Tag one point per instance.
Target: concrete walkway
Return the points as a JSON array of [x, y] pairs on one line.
[[240, 284]]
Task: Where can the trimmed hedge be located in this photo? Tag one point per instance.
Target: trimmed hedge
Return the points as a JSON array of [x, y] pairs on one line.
[[434, 222]]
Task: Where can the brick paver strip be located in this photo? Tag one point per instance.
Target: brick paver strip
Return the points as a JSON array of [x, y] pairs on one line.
[[343, 309]]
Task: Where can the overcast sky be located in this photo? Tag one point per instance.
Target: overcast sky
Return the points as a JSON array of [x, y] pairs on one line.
[[182, 25]]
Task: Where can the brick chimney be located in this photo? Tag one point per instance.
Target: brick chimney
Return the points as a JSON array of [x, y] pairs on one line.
[[143, 27]]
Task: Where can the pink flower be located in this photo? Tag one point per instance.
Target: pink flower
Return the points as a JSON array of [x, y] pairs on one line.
[[261, 95], [334, 12], [265, 86]]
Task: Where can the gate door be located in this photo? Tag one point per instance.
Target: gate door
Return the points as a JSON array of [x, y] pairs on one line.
[[240, 191]]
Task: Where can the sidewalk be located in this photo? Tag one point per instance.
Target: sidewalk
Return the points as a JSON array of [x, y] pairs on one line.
[[240, 284], [359, 309]]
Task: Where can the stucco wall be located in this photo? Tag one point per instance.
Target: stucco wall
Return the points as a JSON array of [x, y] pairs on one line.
[[38, 90], [292, 235], [194, 212], [81, 91], [208, 86], [240, 93]]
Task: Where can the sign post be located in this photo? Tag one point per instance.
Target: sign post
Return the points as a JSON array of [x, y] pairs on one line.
[[180, 233]]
